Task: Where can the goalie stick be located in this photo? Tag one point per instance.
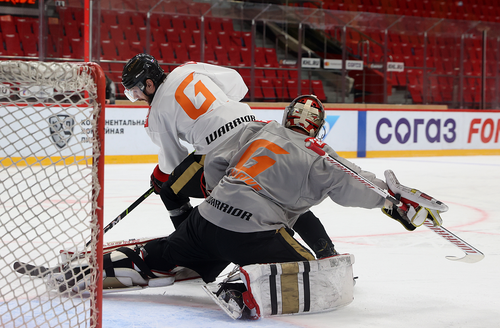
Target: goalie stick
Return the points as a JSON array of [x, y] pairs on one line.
[[34, 270], [313, 144], [41, 271], [472, 254]]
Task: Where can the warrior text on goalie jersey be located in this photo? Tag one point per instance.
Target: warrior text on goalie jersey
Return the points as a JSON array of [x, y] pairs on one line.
[[228, 127], [228, 208]]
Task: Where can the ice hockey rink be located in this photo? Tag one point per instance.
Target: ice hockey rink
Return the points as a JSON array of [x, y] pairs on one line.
[[404, 278]]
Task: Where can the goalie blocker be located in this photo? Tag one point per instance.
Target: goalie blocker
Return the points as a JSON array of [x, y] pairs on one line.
[[287, 288], [415, 206]]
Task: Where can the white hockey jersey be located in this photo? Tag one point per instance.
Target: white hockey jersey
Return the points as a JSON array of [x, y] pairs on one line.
[[269, 178], [197, 103]]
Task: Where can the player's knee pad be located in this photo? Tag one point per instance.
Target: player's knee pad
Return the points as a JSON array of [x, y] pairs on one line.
[[299, 287], [125, 268]]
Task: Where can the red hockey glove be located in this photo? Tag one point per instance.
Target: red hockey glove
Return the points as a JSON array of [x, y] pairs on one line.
[[158, 178]]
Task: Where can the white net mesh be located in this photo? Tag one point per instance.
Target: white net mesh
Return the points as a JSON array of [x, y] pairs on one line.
[[49, 150]]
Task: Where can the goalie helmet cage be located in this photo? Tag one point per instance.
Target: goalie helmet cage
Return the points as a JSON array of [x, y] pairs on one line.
[[51, 199]]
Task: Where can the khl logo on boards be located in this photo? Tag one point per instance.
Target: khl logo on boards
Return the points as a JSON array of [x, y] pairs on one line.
[[61, 129]]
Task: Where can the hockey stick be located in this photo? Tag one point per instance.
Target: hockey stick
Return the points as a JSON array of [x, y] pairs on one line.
[[41, 271], [34, 270], [313, 145], [472, 255], [139, 200]]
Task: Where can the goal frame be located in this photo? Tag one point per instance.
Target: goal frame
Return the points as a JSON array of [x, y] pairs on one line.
[[100, 79], [97, 105]]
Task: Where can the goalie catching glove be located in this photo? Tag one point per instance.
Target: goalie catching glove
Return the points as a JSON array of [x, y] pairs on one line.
[[415, 206]]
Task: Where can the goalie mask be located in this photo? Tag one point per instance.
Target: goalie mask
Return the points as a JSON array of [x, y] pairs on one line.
[[306, 113], [137, 71]]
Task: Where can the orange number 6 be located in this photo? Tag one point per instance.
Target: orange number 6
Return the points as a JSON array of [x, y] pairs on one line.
[[263, 162], [186, 104]]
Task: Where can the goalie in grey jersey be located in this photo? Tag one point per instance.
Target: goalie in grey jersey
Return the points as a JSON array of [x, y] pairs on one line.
[[262, 179]]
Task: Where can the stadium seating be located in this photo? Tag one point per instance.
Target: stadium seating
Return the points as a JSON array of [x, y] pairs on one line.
[[279, 89], [108, 50], [167, 53], [267, 89], [176, 38], [443, 54], [318, 90]]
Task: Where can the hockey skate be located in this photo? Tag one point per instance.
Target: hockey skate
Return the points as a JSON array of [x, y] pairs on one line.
[[229, 297], [324, 248]]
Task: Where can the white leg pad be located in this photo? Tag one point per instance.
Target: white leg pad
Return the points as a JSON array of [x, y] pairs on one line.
[[299, 287], [161, 282]]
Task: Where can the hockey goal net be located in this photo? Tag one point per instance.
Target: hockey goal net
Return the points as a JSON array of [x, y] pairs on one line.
[[51, 195]]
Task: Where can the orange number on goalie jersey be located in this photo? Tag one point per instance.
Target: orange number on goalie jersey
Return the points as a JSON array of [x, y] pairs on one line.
[[263, 162], [186, 103]]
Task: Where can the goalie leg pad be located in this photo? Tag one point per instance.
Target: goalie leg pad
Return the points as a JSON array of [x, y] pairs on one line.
[[299, 287], [128, 264], [125, 267]]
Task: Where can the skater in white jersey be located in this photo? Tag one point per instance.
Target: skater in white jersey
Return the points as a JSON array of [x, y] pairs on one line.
[[197, 103]]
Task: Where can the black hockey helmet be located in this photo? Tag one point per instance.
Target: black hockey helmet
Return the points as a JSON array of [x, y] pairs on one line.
[[139, 69], [306, 113]]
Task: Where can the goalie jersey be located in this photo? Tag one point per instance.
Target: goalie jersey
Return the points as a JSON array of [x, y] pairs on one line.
[[268, 178], [199, 104]]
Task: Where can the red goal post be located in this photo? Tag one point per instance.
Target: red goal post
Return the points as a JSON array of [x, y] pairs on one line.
[[51, 200]]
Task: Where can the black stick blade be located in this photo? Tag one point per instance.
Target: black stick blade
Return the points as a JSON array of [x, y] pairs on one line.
[[31, 270]]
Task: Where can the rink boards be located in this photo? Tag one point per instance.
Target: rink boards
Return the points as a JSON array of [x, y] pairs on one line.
[[351, 132]]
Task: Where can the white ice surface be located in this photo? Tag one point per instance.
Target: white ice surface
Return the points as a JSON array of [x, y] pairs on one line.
[[404, 278]]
